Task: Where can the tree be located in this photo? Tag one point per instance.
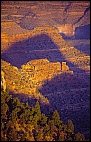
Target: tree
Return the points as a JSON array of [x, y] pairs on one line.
[[62, 136], [39, 136], [46, 129], [37, 109], [10, 131], [56, 118], [4, 109], [20, 122], [14, 115], [16, 102], [51, 125], [79, 137], [5, 97], [12, 135], [70, 126], [43, 120], [26, 116], [36, 114]]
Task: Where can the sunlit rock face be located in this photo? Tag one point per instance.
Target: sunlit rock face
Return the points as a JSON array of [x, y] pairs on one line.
[[67, 29], [30, 77], [3, 81], [5, 41]]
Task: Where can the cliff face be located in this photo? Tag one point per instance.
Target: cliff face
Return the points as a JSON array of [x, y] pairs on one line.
[[18, 19], [63, 15], [31, 76], [3, 81], [78, 58]]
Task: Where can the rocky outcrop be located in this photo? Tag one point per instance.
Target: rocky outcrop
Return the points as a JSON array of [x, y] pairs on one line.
[[64, 67], [67, 29], [29, 79], [3, 81]]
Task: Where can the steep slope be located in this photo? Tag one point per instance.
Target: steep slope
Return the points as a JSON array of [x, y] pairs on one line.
[[30, 77], [71, 54], [29, 15]]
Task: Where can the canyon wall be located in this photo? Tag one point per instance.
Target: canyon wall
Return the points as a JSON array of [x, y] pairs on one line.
[[63, 15]]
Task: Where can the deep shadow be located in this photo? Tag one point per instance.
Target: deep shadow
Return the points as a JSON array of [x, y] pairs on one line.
[[85, 48], [82, 47], [81, 32], [65, 81], [65, 94], [37, 47], [75, 68]]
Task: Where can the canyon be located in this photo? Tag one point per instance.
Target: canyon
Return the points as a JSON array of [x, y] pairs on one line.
[[39, 62]]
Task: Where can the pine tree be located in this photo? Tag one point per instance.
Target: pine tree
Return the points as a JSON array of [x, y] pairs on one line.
[[17, 117], [14, 114], [51, 125], [37, 108], [70, 126], [16, 102], [4, 110], [56, 118], [79, 137], [62, 136], [46, 129], [26, 116], [39, 136], [37, 114], [43, 120]]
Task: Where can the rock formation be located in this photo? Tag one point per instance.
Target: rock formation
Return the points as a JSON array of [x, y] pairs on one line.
[[64, 67], [58, 14], [32, 76], [3, 81]]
